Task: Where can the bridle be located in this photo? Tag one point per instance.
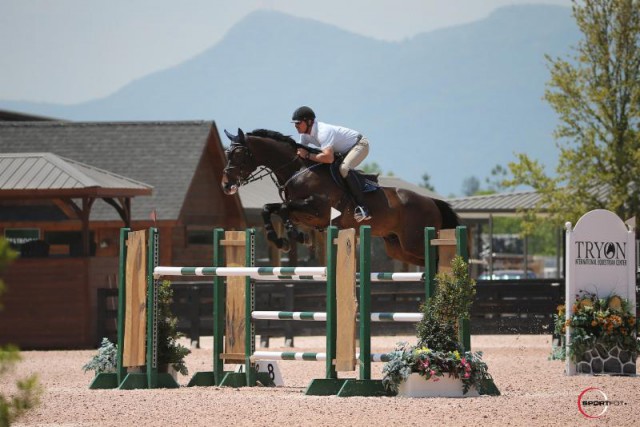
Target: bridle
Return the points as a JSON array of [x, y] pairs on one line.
[[261, 171]]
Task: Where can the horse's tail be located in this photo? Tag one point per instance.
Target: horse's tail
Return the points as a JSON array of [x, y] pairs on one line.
[[450, 219]]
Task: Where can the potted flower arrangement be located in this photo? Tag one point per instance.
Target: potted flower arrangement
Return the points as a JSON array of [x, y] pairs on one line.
[[438, 356], [603, 334]]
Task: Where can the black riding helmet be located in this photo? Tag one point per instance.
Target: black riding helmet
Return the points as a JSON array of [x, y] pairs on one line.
[[303, 113]]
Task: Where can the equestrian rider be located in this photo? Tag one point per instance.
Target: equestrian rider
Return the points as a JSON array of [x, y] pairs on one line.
[[334, 139]]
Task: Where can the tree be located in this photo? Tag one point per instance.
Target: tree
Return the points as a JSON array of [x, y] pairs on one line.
[[597, 99], [470, 186], [426, 182], [496, 180], [29, 390]]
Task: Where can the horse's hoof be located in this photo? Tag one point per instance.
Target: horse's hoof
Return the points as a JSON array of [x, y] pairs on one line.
[[283, 245]]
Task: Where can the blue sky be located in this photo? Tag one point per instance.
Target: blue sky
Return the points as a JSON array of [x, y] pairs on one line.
[[69, 51]]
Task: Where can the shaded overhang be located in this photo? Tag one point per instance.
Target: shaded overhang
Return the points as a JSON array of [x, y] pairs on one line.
[[46, 176]]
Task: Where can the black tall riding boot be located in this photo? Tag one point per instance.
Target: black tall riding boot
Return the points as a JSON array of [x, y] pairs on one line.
[[361, 212]]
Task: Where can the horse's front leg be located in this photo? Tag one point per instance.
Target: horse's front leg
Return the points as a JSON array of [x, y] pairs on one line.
[[292, 232], [283, 211], [267, 211], [312, 212]]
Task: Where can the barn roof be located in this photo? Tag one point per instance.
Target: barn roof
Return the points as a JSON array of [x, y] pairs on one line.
[[45, 174], [164, 155], [494, 204]]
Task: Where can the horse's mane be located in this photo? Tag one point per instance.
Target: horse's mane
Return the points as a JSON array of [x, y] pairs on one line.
[[277, 136], [272, 134]]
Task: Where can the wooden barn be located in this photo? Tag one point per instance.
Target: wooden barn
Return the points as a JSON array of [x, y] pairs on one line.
[[65, 191]]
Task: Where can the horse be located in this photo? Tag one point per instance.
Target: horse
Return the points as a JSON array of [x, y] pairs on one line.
[[309, 191]]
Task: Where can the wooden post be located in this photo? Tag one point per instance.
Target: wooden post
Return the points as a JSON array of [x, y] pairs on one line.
[[135, 301], [234, 348], [346, 301]]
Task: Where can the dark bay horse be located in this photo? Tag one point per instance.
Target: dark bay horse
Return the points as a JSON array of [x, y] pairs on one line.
[[309, 191]]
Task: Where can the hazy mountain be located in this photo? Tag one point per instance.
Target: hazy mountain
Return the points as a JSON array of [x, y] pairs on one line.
[[452, 103]]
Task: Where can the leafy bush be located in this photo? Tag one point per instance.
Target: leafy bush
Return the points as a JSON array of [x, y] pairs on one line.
[[106, 360], [29, 390], [170, 352]]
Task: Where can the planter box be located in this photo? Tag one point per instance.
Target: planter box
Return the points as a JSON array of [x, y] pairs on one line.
[[611, 361], [417, 386]]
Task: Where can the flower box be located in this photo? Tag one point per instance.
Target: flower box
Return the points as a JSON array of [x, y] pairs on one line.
[[601, 332], [446, 386]]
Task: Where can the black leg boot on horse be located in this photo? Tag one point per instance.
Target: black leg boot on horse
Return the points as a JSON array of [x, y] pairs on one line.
[[361, 213]]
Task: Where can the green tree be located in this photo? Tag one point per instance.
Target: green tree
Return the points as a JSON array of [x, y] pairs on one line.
[[470, 186], [28, 390], [597, 98], [495, 182], [426, 182]]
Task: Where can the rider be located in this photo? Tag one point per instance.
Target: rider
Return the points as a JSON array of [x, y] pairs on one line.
[[334, 139]]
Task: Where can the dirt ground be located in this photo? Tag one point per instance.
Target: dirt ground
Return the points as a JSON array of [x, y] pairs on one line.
[[534, 392]]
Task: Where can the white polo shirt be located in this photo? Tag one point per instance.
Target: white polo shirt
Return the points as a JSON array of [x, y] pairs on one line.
[[324, 135]]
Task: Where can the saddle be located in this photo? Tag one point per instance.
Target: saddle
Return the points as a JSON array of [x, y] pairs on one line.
[[368, 182]]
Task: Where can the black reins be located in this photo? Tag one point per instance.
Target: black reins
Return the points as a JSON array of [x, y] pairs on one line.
[[262, 171]]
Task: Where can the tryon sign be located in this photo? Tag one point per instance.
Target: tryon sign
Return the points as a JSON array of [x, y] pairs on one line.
[[600, 255], [600, 258]]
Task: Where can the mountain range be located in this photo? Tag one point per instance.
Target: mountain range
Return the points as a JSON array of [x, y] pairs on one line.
[[451, 103]]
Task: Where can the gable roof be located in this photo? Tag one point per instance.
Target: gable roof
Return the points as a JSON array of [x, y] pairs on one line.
[[15, 116], [492, 204], [164, 155], [47, 175]]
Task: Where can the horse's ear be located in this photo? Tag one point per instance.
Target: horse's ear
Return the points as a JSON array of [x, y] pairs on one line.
[[240, 136], [231, 137]]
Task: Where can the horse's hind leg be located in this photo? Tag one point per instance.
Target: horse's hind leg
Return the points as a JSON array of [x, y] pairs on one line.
[[395, 250]]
